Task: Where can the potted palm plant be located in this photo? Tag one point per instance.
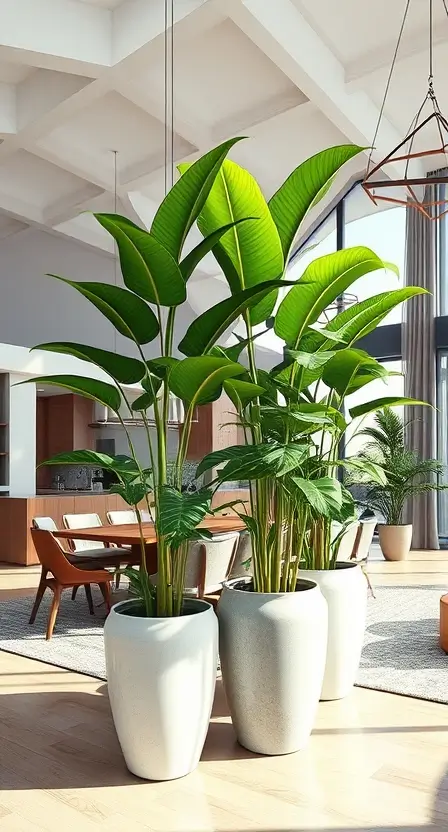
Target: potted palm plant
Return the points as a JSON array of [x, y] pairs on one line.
[[405, 477], [272, 674]]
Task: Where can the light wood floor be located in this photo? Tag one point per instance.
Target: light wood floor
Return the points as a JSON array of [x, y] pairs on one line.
[[375, 761]]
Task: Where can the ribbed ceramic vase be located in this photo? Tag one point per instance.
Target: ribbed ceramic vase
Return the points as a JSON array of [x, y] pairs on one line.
[[395, 541], [161, 675], [345, 590], [272, 650]]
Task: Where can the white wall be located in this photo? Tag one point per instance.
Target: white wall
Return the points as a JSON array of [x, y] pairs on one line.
[[35, 308], [139, 440]]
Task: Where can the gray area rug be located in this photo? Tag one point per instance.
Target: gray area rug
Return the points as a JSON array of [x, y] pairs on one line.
[[401, 652]]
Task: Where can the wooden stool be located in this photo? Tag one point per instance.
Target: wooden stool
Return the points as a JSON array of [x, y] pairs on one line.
[[444, 623]]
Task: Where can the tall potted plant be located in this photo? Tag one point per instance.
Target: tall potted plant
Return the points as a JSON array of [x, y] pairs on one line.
[[405, 477], [161, 649], [273, 674]]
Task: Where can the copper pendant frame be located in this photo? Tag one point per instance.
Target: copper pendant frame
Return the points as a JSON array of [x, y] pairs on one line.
[[421, 193]]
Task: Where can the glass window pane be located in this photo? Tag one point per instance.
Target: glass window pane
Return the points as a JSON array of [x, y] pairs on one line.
[[442, 438], [383, 232]]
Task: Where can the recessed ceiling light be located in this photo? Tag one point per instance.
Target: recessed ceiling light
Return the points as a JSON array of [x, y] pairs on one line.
[[40, 390]]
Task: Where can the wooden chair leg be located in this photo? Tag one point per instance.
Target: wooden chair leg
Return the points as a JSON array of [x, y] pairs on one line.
[[74, 591], [54, 610], [117, 579], [39, 594], [105, 592], [89, 598]]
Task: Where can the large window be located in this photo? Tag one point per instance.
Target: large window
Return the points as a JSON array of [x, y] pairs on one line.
[[383, 232], [442, 437]]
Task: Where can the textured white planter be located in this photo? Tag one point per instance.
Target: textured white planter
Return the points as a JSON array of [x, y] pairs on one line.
[[161, 675], [345, 590], [272, 650], [395, 541]]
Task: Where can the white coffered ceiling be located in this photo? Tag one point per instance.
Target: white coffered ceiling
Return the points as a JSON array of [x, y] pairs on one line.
[[82, 78]]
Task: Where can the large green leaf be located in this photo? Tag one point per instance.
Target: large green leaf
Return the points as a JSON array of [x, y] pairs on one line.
[[90, 388], [222, 455], [351, 369], [184, 202], [385, 401], [123, 465], [253, 248], [179, 513], [322, 282], [148, 268], [241, 393], [357, 465], [324, 495], [263, 460], [310, 360], [362, 318], [197, 254], [199, 380], [203, 333], [303, 189], [122, 369], [129, 314]]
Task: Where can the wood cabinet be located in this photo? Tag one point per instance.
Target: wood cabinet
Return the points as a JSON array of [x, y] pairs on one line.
[[62, 424]]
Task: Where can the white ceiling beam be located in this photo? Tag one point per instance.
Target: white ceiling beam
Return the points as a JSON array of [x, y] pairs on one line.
[[44, 90], [378, 60], [137, 23], [192, 130], [72, 203], [284, 35], [63, 28]]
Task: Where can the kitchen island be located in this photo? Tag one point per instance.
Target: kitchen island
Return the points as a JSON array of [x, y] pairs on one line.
[[16, 516]]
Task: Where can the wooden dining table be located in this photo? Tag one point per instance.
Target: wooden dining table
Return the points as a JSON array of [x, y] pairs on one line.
[[129, 535]]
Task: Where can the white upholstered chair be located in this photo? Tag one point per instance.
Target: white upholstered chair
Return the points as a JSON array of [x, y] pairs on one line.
[[121, 518], [242, 565], [209, 563], [89, 548]]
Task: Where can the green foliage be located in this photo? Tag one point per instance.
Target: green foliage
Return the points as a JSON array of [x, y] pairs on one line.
[[130, 315], [292, 417], [404, 475], [148, 269], [90, 388], [200, 380], [179, 513], [123, 369], [304, 188]]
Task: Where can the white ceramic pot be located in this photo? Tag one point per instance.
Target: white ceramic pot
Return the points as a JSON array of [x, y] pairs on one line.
[[161, 675], [272, 650], [345, 590], [395, 541]]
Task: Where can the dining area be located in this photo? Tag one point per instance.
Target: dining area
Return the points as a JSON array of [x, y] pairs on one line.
[[87, 552]]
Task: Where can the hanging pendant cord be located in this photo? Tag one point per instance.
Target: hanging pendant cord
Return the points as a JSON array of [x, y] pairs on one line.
[[115, 152], [169, 94], [431, 57], [386, 91]]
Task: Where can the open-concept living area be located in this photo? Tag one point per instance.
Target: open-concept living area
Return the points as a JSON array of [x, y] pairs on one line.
[[223, 416]]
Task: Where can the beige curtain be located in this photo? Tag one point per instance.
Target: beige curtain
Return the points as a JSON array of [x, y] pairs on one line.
[[419, 363]]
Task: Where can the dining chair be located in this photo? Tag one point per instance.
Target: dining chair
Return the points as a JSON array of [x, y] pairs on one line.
[[242, 564], [361, 549], [63, 575], [209, 563], [347, 542], [108, 555], [121, 518]]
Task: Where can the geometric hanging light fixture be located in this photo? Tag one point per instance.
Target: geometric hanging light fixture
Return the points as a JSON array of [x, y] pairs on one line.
[[426, 141]]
